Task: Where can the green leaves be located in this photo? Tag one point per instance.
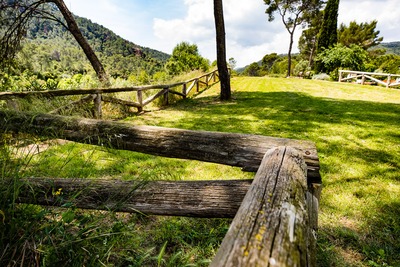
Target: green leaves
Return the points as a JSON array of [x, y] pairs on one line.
[[185, 57], [363, 34]]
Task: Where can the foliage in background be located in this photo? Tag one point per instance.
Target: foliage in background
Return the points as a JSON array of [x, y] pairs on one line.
[[185, 58], [364, 35], [293, 13], [340, 56], [327, 36], [307, 44]]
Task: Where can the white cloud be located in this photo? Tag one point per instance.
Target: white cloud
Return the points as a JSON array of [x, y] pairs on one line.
[[248, 32]]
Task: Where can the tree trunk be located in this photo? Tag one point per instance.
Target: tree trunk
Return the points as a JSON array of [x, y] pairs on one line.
[[221, 51], [75, 31], [289, 72]]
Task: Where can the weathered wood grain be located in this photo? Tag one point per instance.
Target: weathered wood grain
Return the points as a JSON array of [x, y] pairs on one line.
[[207, 199], [271, 226], [241, 150]]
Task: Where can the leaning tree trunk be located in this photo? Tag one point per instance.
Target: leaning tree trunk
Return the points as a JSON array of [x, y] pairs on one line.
[[221, 51], [75, 31]]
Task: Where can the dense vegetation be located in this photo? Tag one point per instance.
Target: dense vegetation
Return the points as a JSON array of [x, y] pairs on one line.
[[354, 127]]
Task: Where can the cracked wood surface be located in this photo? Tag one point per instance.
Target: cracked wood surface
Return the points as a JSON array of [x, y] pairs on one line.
[[271, 226]]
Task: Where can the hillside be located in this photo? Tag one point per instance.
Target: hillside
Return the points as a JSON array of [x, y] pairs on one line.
[[391, 47], [49, 47]]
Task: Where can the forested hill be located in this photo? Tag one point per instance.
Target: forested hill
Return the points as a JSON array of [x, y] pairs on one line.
[[51, 48], [391, 47]]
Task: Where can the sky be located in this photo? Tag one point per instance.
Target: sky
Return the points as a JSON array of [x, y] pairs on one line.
[[162, 24]]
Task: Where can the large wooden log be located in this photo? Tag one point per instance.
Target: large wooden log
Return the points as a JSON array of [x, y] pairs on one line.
[[241, 150], [271, 226], [207, 199]]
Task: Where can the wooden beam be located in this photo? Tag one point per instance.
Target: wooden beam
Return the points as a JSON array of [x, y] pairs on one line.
[[271, 225], [240, 150], [120, 101], [207, 199], [74, 104]]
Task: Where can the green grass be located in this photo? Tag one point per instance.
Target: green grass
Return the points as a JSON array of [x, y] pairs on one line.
[[357, 133]]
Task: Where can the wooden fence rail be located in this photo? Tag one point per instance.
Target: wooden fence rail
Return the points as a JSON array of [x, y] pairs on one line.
[[182, 89], [390, 80], [240, 150], [276, 213]]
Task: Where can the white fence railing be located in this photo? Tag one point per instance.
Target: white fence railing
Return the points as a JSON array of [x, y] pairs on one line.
[[385, 79]]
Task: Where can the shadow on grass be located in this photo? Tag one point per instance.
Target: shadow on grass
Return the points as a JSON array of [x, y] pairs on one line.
[[377, 246], [287, 113]]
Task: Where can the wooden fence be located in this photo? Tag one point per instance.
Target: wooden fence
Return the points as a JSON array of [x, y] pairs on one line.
[[385, 79], [182, 89], [275, 215]]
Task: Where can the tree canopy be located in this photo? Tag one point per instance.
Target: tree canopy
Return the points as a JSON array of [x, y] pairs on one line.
[[363, 34], [16, 16], [293, 13], [186, 57], [328, 33]]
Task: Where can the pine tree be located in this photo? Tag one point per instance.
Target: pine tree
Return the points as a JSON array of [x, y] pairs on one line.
[[328, 35], [364, 34]]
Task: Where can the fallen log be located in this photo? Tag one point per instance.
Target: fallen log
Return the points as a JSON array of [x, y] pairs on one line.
[[271, 227], [240, 150], [206, 199]]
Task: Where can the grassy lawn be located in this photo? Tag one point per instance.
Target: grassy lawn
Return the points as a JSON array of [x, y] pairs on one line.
[[357, 133]]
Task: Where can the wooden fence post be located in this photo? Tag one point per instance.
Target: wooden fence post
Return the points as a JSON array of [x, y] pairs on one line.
[[184, 90], [166, 100], [140, 100], [271, 225], [389, 79], [97, 106]]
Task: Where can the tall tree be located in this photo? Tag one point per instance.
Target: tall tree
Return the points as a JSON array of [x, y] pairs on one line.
[[364, 34], [221, 51], [293, 13], [16, 16], [328, 34]]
